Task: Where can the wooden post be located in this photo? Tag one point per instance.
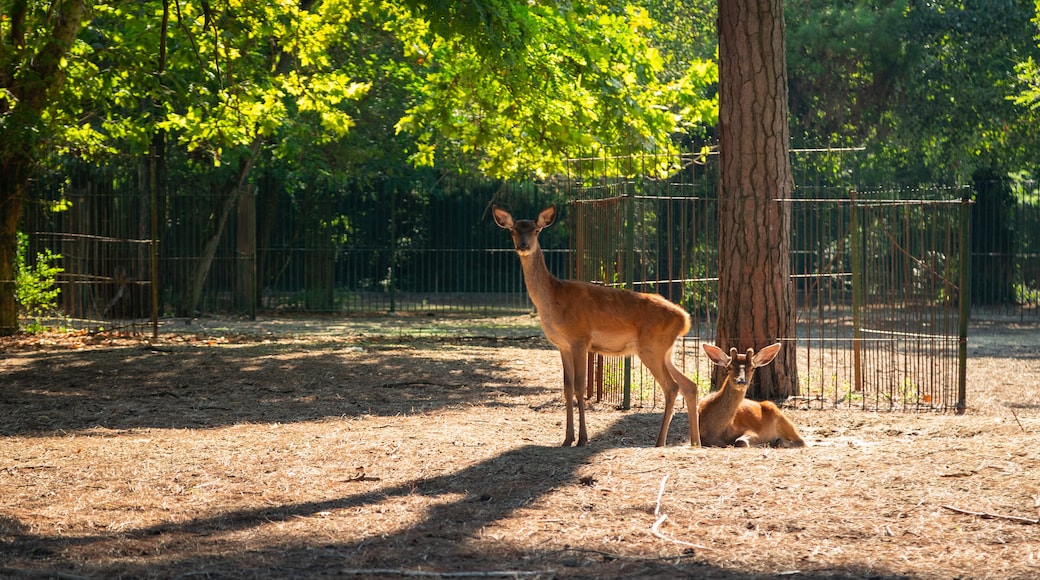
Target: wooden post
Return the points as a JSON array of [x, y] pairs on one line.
[[245, 249], [856, 248], [964, 302]]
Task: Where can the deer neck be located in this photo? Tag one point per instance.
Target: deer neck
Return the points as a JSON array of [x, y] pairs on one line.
[[539, 280], [730, 395]]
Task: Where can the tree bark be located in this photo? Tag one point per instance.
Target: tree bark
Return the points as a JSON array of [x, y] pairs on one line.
[[756, 305], [14, 170], [31, 76], [202, 266]]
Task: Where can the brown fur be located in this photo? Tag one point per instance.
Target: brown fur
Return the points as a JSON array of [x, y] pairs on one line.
[[727, 418], [579, 318]]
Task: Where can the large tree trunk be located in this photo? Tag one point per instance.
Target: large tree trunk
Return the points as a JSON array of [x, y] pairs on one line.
[[755, 296]]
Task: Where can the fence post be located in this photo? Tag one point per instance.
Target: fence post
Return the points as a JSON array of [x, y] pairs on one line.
[[964, 302], [630, 258], [391, 272], [856, 247], [245, 252], [153, 240]]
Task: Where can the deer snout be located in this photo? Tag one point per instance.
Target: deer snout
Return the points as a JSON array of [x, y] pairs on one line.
[[741, 377]]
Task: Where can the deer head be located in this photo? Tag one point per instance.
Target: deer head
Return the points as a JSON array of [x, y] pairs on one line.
[[740, 368], [524, 232]]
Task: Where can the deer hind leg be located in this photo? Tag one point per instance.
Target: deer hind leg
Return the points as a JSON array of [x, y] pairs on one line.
[[774, 429], [672, 381], [670, 390], [783, 431], [689, 392]]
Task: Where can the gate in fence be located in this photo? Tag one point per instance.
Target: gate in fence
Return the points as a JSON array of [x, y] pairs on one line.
[[878, 275]]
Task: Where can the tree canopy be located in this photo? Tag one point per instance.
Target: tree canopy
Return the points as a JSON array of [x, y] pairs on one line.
[[509, 88], [365, 89], [928, 87]]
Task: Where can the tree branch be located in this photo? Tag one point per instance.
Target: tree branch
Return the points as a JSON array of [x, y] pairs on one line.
[[989, 516]]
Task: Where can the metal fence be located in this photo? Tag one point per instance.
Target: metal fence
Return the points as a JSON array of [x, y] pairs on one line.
[[427, 243], [877, 277]]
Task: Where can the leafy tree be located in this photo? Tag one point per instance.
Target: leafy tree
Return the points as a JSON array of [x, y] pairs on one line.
[[925, 85], [35, 40], [316, 90], [591, 84], [848, 64], [1027, 73], [36, 287]]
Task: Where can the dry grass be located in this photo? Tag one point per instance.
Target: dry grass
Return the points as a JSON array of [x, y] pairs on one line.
[[343, 451]]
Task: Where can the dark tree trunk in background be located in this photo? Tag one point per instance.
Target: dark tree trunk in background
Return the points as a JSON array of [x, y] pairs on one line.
[[993, 240], [756, 306], [14, 171], [31, 75]]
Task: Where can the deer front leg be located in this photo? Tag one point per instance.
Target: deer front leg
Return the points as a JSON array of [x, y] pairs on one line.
[[748, 439], [580, 376], [568, 397]]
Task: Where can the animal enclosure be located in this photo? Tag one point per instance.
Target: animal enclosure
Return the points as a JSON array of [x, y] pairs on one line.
[[885, 301], [877, 277]]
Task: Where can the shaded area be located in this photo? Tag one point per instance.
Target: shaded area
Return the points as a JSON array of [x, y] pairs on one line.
[[488, 492], [212, 386]]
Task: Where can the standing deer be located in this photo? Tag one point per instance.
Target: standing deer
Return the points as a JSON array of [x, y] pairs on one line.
[[727, 418], [579, 317]]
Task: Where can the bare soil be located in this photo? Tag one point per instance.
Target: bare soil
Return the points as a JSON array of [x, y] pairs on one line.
[[420, 447]]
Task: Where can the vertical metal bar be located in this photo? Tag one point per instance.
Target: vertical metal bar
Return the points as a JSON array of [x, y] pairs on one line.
[[590, 374], [600, 361], [391, 272], [153, 241], [964, 302], [629, 253], [855, 234]]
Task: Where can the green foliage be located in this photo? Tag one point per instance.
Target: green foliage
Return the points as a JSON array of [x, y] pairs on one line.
[[36, 287], [924, 85], [701, 291], [504, 87], [591, 84]]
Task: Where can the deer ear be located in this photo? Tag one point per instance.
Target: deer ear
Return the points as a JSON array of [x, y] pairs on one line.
[[716, 354], [765, 356], [502, 217], [547, 217]]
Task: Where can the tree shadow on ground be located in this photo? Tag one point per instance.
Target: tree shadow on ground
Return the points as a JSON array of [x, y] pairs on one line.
[[441, 541], [187, 387]]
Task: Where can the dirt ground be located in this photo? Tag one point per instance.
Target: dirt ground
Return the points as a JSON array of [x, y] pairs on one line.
[[396, 447]]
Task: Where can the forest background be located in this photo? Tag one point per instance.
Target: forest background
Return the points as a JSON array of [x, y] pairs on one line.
[[310, 93]]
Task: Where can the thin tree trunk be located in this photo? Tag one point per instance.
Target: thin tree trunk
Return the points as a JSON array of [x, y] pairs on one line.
[[32, 76], [755, 296], [13, 176], [202, 267]]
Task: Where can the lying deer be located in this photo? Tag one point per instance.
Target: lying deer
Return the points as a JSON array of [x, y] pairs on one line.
[[727, 418], [579, 317]]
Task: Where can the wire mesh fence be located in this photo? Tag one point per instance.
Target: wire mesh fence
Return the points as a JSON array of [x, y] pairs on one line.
[[877, 276], [877, 279]]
